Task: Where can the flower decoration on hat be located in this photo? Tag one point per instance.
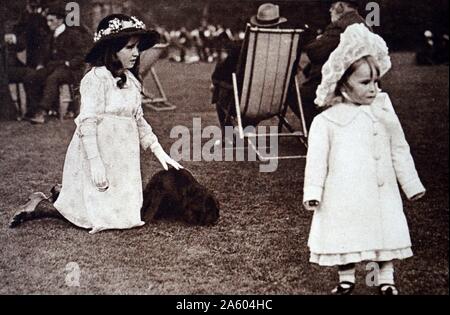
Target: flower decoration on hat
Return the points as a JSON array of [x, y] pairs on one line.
[[116, 26], [356, 42]]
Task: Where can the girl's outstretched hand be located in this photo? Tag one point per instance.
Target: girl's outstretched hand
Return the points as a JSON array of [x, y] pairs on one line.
[[98, 174], [165, 159]]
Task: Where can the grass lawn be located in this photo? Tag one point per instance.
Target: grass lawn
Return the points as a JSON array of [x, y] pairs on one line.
[[259, 245]]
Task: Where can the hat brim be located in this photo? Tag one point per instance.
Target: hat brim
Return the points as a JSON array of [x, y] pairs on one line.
[[148, 39], [254, 21]]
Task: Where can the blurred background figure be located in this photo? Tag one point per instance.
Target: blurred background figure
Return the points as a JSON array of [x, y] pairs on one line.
[[224, 39], [434, 49], [33, 32], [442, 54], [29, 37], [7, 109], [183, 43], [426, 53], [63, 64]]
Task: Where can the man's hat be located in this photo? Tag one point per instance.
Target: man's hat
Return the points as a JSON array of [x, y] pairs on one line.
[[116, 26], [268, 15]]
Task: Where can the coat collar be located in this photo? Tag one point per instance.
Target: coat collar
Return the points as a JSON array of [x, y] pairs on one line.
[[344, 113], [59, 30]]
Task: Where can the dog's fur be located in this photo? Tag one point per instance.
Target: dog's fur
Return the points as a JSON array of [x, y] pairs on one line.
[[169, 194], [177, 194]]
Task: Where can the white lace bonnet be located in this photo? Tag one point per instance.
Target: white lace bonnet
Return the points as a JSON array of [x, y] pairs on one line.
[[356, 42]]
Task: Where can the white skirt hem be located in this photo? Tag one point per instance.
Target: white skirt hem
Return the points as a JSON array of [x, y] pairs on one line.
[[371, 255]]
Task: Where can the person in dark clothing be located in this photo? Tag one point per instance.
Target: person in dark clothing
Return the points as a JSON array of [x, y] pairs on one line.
[[32, 26], [7, 109], [343, 14], [64, 63], [29, 34]]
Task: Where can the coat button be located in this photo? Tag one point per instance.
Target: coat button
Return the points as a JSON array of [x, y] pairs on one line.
[[377, 157], [375, 133], [380, 183]]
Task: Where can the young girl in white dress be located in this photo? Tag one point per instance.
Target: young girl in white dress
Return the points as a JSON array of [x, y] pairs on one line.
[[357, 152], [102, 187]]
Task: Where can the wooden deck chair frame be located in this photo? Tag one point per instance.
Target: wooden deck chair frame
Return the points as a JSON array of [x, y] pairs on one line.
[[156, 103], [274, 52]]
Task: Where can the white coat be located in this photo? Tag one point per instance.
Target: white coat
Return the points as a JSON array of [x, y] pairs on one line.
[[355, 156]]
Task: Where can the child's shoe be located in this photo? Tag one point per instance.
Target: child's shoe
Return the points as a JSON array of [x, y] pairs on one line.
[[388, 289], [38, 118], [343, 288]]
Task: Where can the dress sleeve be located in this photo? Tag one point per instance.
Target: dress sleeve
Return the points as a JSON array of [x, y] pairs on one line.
[[92, 90], [402, 159], [316, 161], [146, 136], [93, 96]]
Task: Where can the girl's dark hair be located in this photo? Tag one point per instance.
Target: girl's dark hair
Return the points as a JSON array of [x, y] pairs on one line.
[[343, 82], [110, 60]]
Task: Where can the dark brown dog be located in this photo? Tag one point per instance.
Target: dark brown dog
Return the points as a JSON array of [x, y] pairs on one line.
[[177, 194], [169, 194]]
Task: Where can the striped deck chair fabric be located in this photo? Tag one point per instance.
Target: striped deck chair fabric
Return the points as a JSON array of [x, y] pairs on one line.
[[262, 82], [268, 68]]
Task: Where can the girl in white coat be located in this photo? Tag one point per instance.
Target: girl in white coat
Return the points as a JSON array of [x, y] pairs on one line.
[[357, 152], [102, 187]]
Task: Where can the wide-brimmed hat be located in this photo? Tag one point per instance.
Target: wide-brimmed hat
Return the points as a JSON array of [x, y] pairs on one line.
[[268, 15], [356, 42], [116, 26]]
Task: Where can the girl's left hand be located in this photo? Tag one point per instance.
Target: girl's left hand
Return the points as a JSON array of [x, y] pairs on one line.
[[165, 159]]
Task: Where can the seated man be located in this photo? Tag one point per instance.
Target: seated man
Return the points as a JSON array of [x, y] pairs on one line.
[[268, 16], [64, 64], [343, 14], [29, 34]]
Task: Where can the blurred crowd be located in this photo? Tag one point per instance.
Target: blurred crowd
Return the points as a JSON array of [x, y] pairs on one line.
[[206, 43]]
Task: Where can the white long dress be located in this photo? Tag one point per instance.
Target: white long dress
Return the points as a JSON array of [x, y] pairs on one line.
[[121, 127]]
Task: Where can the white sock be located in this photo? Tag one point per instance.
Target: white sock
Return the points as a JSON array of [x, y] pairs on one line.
[[347, 275], [386, 272]]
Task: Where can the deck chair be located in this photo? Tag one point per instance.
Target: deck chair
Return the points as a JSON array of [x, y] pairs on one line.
[[262, 81], [161, 102]]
